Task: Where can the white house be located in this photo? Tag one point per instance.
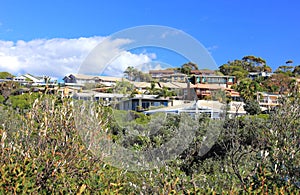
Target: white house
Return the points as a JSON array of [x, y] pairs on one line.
[[213, 109], [31, 79], [84, 79]]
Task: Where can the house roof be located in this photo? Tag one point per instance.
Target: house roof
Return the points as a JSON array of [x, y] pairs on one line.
[[203, 105], [180, 85], [208, 104], [269, 94], [34, 78], [111, 79], [149, 97], [204, 72], [169, 85], [171, 109], [96, 77], [83, 76], [161, 71], [206, 86], [143, 84]]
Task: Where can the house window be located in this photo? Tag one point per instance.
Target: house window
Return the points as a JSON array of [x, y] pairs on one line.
[[156, 103]]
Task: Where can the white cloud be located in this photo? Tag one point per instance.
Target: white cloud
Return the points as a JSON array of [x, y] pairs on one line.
[[58, 56], [125, 59]]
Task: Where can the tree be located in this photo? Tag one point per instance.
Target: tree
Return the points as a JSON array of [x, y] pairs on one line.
[[267, 69], [285, 69], [187, 67], [219, 95], [152, 90], [255, 64], [130, 73], [134, 74], [8, 88], [143, 77], [252, 107], [248, 88], [235, 68], [165, 92], [23, 102], [296, 71], [279, 83], [124, 87]]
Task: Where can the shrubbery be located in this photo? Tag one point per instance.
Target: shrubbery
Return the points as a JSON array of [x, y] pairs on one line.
[[42, 152]]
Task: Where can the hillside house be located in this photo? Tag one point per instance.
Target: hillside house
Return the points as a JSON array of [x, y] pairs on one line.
[[142, 102], [264, 75], [267, 101], [93, 79], [168, 75]]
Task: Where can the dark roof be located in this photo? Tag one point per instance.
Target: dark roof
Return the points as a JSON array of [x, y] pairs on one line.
[[161, 71], [206, 72]]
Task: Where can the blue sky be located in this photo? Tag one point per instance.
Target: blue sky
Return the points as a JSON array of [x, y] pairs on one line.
[[229, 29]]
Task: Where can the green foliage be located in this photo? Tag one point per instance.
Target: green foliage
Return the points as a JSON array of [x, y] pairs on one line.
[[241, 68], [278, 83], [235, 68], [133, 74], [187, 67], [42, 152], [24, 101], [124, 87], [219, 95], [286, 70], [152, 90], [4, 75], [165, 92], [248, 88], [1, 99], [252, 107], [296, 71], [8, 88]]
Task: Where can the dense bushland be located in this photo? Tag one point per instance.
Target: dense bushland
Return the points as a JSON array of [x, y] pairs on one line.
[[42, 151]]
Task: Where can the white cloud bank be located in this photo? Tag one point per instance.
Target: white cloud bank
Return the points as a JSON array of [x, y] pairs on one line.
[[57, 57]]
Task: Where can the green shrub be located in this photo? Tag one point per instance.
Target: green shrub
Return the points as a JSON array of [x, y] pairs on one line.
[[42, 152]]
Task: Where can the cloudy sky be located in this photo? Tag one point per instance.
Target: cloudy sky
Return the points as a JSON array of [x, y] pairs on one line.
[[60, 56], [55, 37]]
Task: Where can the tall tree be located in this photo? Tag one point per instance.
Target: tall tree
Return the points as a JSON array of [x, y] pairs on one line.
[[130, 73], [285, 69], [133, 74], [256, 64], [187, 67], [165, 92], [248, 88], [278, 83], [236, 68], [152, 90], [252, 107], [296, 71]]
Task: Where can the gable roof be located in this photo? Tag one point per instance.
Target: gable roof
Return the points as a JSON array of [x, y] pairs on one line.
[[161, 71], [96, 77], [169, 85]]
